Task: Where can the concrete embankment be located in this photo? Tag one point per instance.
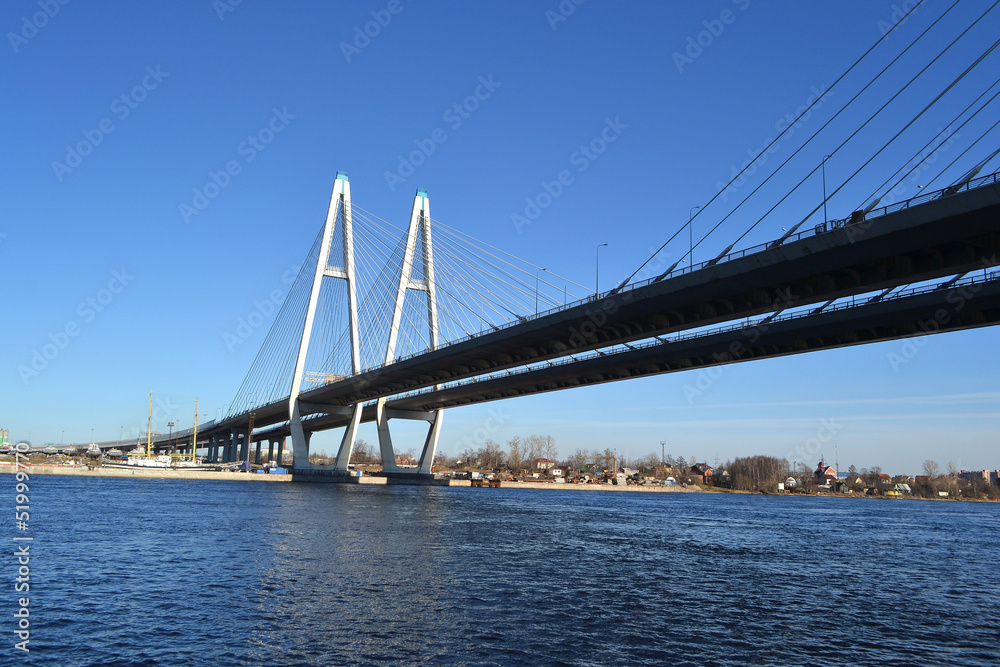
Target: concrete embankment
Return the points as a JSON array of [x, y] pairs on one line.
[[321, 476]]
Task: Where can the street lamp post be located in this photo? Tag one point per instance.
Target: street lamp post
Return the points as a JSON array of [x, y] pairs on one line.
[[91, 435], [121, 432], [691, 234], [62, 437], [825, 218], [536, 289], [170, 436], [597, 270]]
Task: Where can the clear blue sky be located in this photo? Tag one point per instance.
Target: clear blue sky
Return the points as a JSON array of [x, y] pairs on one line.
[[198, 79]]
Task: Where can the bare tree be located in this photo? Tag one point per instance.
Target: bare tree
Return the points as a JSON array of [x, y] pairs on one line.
[[757, 473], [535, 446], [469, 457], [931, 469], [578, 460], [491, 456], [365, 453], [549, 449], [515, 454]]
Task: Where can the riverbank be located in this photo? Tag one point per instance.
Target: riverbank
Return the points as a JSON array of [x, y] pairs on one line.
[[325, 477], [319, 477]]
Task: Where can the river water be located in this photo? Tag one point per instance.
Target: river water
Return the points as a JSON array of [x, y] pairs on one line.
[[164, 572]]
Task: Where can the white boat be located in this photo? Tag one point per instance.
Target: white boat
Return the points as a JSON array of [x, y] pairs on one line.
[[161, 461], [93, 451]]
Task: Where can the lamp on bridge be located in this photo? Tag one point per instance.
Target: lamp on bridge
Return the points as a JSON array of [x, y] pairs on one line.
[[691, 234], [825, 157], [597, 270], [536, 289]]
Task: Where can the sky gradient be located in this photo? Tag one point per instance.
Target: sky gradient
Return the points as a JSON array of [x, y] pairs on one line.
[[120, 117]]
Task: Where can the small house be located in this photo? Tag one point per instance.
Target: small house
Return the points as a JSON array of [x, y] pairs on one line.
[[701, 472], [544, 464]]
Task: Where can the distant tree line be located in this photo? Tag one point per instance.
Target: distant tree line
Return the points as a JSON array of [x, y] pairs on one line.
[[757, 473]]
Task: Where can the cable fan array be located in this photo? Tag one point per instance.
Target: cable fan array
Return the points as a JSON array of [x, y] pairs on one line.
[[478, 289], [935, 90]]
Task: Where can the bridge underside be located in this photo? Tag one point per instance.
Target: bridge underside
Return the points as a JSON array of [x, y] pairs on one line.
[[967, 306]]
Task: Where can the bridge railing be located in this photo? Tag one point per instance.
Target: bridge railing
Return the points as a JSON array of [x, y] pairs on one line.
[[828, 226]]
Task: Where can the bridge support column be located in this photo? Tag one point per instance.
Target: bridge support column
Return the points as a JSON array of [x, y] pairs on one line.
[[281, 452], [234, 442], [300, 455], [426, 460], [256, 458], [343, 460], [243, 440], [339, 209], [419, 230], [270, 450]]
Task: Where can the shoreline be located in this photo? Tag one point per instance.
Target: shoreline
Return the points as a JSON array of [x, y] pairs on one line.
[[7, 467], [160, 473]]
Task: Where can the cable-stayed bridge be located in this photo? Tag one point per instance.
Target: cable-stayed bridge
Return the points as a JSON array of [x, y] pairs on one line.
[[385, 324], [444, 321]]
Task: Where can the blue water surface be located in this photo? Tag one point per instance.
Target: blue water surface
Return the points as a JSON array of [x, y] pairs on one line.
[[164, 572]]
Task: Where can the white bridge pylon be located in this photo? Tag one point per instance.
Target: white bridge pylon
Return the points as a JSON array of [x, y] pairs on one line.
[[419, 230]]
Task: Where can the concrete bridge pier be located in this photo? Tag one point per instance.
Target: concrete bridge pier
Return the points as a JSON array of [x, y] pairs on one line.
[[256, 458], [281, 452], [300, 455], [243, 442], [230, 450]]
